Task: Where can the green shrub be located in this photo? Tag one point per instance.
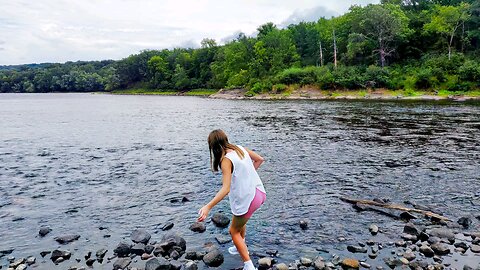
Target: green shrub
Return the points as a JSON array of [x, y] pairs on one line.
[[238, 80], [261, 86], [348, 77], [442, 62], [376, 76], [454, 84], [470, 71], [279, 87], [424, 79], [302, 76], [325, 79]]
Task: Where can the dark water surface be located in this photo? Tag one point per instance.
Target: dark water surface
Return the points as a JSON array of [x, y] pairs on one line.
[[76, 162]]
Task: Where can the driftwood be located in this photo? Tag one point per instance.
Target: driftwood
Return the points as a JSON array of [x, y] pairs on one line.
[[394, 206]]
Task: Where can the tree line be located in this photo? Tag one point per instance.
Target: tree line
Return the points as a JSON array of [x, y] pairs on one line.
[[397, 44]]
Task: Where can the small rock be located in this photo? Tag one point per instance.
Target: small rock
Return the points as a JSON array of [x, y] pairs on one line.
[[122, 249], [167, 226], [138, 248], [220, 220], [44, 253], [372, 255], [356, 249], [350, 264], [16, 263], [440, 249], [365, 265], [101, 253], [140, 236], [223, 239], [282, 266], [462, 245], [146, 256], [56, 254], [272, 252], [319, 264], [122, 263], [149, 249], [265, 263], [190, 266], [30, 260], [475, 248], [213, 258], [59, 260], [443, 233], [177, 239], [465, 222], [409, 255], [65, 239], [90, 262], [198, 227], [401, 243], [303, 224], [370, 242], [427, 251], [44, 231], [407, 216], [404, 261], [411, 229], [305, 261], [373, 229], [393, 263], [175, 265]]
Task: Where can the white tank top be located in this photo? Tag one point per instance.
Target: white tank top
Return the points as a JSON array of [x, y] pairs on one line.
[[245, 181]]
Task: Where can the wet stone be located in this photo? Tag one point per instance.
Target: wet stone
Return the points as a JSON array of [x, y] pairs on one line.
[[427, 251], [122, 263], [319, 264], [16, 263], [265, 263], [365, 265], [440, 249], [122, 249], [357, 249], [465, 222], [442, 233], [140, 236], [30, 260], [373, 229], [190, 266], [90, 262], [220, 220], [305, 261], [44, 231], [138, 248], [167, 226], [475, 248], [198, 227], [409, 237], [44, 253], [213, 258], [401, 243], [65, 239], [282, 266], [303, 224], [462, 245], [409, 255], [57, 254], [349, 263], [21, 267], [101, 253]]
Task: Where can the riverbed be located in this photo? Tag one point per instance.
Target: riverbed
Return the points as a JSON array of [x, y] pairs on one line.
[[80, 162]]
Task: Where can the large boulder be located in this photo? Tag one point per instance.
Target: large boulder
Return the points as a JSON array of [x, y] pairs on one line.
[[214, 258], [176, 239], [122, 249]]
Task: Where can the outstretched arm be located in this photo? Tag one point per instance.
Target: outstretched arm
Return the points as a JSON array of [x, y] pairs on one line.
[[256, 158], [226, 166]]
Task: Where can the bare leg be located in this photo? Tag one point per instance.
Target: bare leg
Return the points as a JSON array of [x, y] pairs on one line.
[[244, 231], [238, 224]]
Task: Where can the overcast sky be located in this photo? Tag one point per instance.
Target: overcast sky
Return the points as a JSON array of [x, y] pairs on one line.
[[69, 30]]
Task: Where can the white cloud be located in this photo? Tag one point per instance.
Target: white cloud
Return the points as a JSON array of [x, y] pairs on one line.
[[61, 30]]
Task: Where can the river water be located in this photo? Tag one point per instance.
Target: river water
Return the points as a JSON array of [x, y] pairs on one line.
[[77, 162]]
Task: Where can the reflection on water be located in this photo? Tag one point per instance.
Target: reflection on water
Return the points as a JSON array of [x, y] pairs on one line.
[[77, 162]]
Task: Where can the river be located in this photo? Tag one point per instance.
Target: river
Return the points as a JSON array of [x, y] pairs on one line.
[[77, 162]]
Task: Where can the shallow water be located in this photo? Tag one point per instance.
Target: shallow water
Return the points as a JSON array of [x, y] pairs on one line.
[[76, 162]]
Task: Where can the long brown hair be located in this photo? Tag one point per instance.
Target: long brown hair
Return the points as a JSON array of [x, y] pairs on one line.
[[218, 144]]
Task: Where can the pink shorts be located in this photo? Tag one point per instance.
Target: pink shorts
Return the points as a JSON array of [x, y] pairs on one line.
[[257, 201]]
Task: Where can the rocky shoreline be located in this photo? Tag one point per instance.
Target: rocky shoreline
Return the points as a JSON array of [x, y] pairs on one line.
[[315, 94], [424, 243]]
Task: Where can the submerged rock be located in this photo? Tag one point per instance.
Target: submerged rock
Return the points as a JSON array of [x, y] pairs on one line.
[[167, 226], [465, 222], [44, 231], [198, 227], [122, 263], [65, 239], [303, 224]]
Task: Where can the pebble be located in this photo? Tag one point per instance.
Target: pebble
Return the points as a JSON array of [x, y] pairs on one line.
[[30, 260], [442, 233], [356, 249], [138, 248], [373, 229], [101, 253], [475, 248], [401, 243], [265, 263], [305, 261], [365, 265], [282, 266], [44, 253], [427, 251], [44, 231], [303, 224], [319, 264], [409, 255], [440, 249], [465, 222], [167, 226], [16, 263]]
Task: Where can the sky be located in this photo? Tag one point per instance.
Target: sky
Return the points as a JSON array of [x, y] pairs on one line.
[[42, 31]]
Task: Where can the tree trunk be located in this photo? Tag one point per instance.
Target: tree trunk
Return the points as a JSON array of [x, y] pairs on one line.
[[334, 50], [321, 54]]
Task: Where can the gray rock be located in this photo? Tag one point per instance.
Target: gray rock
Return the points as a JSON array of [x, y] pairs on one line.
[[465, 222], [373, 229], [409, 237], [365, 265], [138, 248], [356, 249], [401, 243], [167, 226], [176, 238], [190, 266], [90, 262], [44, 253], [220, 220], [154, 264], [440, 249], [175, 265], [475, 248], [174, 254], [21, 267], [319, 264], [59, 260], [265, 263], [101, 253], [442, 233], [44, 231], [56, 254], [427, 251], [140, 236], [411, 229], [214, 258], [407, 216], [282, 266], [149, 249], [65, 239], [305, 261], [462, 245], [16, 263], [30, 260], [303, 224], [409, 255], [198, 227], [122, 249], [392, 262], [223, 239], [122, 263], [191, 255]]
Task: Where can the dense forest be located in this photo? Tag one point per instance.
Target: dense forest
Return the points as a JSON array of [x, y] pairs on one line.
[[398, 44]]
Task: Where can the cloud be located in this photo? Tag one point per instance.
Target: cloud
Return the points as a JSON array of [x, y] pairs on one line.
[[308, 15], [60, 31]]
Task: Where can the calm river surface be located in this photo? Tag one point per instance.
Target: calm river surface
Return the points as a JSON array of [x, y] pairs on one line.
[[77, 162]]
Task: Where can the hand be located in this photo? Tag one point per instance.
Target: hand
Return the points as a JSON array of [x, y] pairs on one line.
[[203, 213]]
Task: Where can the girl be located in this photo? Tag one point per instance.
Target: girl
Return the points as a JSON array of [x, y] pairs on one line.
[[241, 181]]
